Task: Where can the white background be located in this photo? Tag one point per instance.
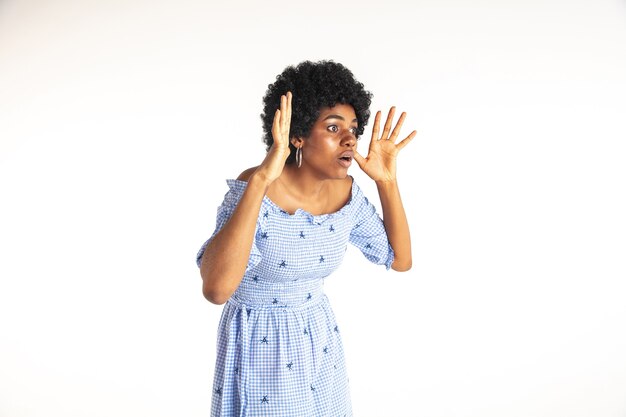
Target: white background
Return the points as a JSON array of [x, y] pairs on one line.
[[120, 121]]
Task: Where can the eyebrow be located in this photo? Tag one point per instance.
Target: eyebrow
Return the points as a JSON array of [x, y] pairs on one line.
[[336, 116]]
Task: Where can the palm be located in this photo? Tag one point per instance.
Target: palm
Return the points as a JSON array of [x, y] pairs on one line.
[[274, 161], [380, 162]]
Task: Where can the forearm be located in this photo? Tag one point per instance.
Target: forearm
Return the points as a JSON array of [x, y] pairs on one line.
[[225, 258], [396, 224]]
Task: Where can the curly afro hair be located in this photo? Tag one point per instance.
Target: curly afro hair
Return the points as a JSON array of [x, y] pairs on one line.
[[314, 85]]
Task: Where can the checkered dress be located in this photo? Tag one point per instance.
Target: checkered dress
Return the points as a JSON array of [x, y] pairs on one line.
[[279, 349]]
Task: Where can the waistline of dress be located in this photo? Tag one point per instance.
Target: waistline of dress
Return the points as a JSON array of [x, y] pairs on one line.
[[279, 296]]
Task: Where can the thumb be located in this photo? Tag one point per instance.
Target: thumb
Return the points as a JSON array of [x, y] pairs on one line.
[[359, 159]]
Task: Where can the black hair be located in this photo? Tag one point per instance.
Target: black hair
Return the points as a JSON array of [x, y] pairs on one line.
[[314, 85]]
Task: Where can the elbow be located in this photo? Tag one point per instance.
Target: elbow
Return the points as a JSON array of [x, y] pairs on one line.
[[214, 293], [214, 297], [210, 290], [402, 266]]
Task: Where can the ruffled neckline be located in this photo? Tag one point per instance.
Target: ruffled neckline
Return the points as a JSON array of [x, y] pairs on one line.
[[240, 186]]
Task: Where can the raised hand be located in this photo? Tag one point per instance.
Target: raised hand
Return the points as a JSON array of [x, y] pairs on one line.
[[274, 161], [380, 162]]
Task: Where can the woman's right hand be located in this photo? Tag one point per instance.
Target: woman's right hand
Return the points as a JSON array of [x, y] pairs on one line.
[[274, 162]]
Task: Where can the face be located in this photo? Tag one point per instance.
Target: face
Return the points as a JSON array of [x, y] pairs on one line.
[[329, 149]]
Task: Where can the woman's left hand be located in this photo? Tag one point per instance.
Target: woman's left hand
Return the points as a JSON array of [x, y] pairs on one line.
[[380, 162]]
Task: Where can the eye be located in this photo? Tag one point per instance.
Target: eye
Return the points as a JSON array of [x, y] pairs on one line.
[[333, 128], [354, 130]]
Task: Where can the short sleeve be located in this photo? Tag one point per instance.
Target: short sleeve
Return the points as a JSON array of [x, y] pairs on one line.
[[224, 212], [368, 233]]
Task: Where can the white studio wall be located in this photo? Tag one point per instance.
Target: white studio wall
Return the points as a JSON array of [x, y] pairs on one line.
[[121, 120]]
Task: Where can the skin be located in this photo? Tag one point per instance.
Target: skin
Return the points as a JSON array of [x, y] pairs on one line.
[[320, 185]]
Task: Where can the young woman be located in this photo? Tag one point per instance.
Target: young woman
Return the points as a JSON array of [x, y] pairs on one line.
[[282, 228]]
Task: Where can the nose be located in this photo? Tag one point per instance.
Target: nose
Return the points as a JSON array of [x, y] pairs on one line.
[[348, 139]]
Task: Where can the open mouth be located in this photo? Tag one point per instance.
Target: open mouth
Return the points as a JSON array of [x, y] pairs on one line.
[[345, 161]]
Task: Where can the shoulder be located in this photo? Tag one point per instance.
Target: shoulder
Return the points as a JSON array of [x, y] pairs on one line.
[[344, 187], [237, 187], [245, 175], [342, 191], [357, 198]]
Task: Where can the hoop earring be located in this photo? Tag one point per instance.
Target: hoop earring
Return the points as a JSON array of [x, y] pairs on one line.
[[299, 156]]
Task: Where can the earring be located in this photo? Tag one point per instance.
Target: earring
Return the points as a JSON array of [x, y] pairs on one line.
[[299, 156]]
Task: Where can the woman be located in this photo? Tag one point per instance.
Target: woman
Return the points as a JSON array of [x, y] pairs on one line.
[[282, 228]]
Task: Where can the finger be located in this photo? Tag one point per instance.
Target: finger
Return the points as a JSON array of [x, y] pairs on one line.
[[276, 126], [283, 111], [406, 140], [375, 130], [396, 129], [288, 115], [374, 144], [359, 159], [385, 134], [376, 127]]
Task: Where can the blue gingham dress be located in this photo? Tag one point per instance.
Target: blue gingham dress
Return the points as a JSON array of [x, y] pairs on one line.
[[279, 349]]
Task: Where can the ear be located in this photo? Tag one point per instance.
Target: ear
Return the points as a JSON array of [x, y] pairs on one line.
[[297, 141]]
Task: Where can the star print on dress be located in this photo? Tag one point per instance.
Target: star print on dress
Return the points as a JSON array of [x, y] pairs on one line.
[[283, 264], [264, 400], [336, 329], [325, 349], [321, 258], [309, 296], [331, 228], [264, 340], [255, 278], [301, 234], [218, 391], [264, 235], [290, 366], [266, 214], [368, 246], [275, 301]]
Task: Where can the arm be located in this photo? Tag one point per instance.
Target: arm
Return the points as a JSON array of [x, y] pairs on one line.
[[396, 224], [380, 165], [225, 258]]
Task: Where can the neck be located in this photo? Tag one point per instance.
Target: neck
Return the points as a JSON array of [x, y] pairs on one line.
[[302, 182]]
